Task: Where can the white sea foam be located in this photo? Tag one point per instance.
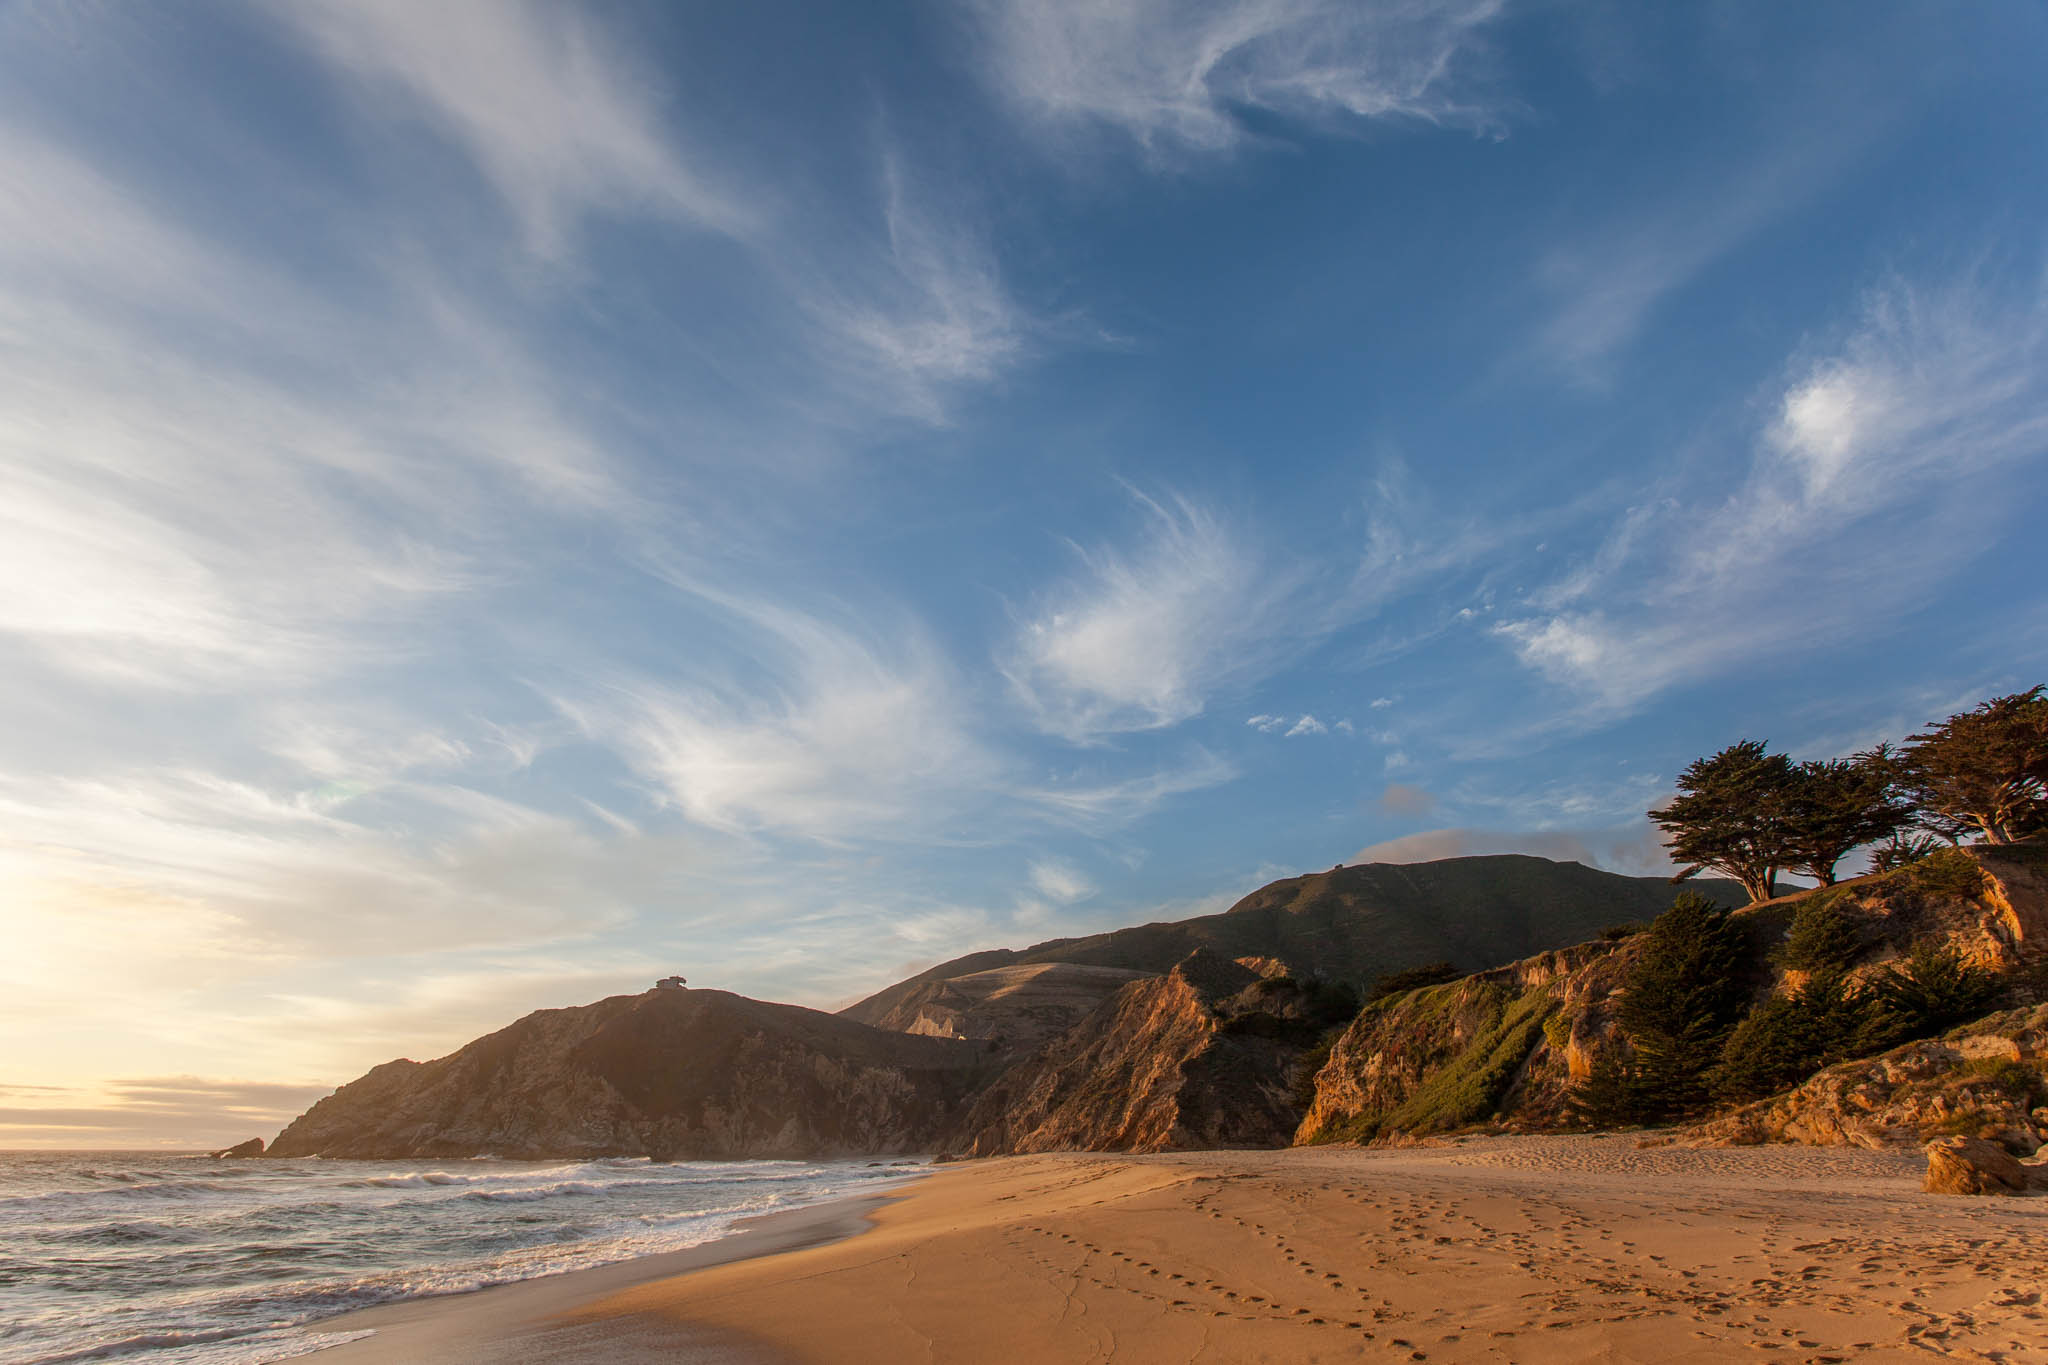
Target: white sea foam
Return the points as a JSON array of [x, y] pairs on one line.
[[177, 1261]]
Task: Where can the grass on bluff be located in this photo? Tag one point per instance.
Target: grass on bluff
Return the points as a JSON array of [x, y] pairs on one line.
[[1466, 1088]]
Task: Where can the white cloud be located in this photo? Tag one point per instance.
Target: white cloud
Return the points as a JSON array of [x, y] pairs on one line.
[[1859, 503], [1176, 77], [554, 113], [838, 734], [1265, 724], [1059, 881], [1142, 638], [921, 313], [1307, 725], [1097, 805]]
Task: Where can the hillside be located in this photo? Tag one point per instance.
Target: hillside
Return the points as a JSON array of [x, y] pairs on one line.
[[671, 1074], [1354, 924], [1507, 1047], [1014, 1009], [1199, 1057], [1147, 1037]]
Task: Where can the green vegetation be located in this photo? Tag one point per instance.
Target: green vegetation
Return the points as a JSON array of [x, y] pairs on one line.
[[1469, 1089], [1983, 772], [1837, 805], [1750, 813], [1688, 1038], [2024, 1085], [1931, 990], [1901, 850], [1947, 872], [1823, 937], [1684, 996], [1729, 816], [1400, 983], [1788, 1038]]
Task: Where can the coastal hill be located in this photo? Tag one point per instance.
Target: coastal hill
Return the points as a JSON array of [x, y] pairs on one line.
[[671, 1074], [1355, 924], [1142, 1037], [1511, 1047]]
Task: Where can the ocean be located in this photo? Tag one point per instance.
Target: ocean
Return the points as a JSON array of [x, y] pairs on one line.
[[187, 1260]]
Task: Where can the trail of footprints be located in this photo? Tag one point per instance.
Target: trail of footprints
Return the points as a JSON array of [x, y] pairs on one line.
[[1186, 1293], [1586, 1283]]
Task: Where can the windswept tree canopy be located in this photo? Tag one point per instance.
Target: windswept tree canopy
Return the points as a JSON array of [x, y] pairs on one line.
[[1731, 815], [1839, 804], [1984, 772]]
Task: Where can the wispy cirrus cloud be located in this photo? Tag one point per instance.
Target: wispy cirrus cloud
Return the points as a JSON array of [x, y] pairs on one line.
[[1177, 78], [830, 731], [921, 311], [1141, 636], [550, 108], [1875, 440]]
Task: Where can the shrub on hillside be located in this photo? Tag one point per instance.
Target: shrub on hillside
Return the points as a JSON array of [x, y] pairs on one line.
[[1823, 937], [1787, 1038], [1414, 978], [1931, 990], [1681, 999]]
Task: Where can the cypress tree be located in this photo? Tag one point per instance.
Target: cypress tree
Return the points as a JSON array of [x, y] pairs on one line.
[[1683, 997]]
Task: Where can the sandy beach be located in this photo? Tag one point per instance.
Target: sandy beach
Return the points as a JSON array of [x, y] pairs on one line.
[[1495, 1249]]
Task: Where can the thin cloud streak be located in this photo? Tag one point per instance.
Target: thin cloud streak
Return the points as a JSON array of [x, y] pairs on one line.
[[1140, 638], [1174, 78], [1875, 440], [549, 107]]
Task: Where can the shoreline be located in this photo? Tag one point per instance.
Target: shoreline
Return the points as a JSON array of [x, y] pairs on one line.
[[1537, 1249], [521, 1321]]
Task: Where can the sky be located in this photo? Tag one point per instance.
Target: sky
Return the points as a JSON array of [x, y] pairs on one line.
[[503, 501]]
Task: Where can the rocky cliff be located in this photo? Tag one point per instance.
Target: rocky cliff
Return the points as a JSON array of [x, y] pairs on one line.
[[671, 1074], [1987, 1079], [1507, 1047], [1199, 1057]]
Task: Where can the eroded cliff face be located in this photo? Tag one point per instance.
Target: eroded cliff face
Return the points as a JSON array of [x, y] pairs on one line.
[[1507, 1047], [671, 1074], [1987, 1079], [1446, 1056], [1200, 1057]]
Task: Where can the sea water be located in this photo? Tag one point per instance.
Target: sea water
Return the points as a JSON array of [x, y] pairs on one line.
[[189, 1260]]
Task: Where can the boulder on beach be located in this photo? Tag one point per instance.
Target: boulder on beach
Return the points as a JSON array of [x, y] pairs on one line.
[[1967, 1165]]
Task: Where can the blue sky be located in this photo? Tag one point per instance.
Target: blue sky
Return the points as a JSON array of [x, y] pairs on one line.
[[499, 502]]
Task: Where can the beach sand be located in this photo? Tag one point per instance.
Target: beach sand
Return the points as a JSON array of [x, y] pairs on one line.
[[1520, 1249]]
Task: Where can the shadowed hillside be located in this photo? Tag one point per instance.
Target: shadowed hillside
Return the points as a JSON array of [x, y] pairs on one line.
[[1355, 924], [671, 1074]]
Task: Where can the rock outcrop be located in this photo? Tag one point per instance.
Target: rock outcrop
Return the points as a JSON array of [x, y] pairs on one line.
[[1012, 1009], [671, 1074], [253, 1147], [1987, 1079], [1200, 1057], [1967, 1165], [1446, 1056]]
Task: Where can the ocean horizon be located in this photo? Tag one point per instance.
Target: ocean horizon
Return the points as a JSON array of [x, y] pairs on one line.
[[188, 1259]]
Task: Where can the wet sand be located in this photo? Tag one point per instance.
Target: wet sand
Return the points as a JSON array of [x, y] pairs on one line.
[[1497, 1249]]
